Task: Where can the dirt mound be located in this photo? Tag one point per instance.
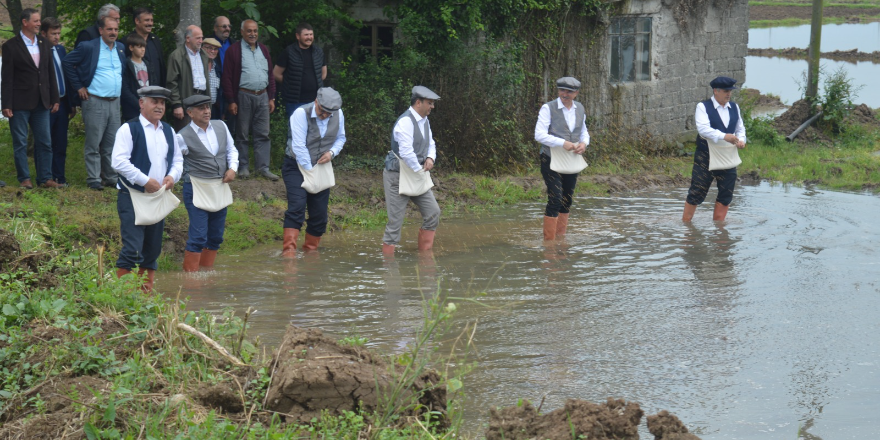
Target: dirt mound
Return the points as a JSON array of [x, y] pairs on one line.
[[614, 419], [9, 248], [796, 115], [666, 426], [863, 115], [64, 399], [221, 397], [760, 100], [315, 373]]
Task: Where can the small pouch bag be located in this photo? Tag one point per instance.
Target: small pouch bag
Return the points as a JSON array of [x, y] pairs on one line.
[[151, 208], [566, 162], [413, 183], [319, 178], [210, 195]]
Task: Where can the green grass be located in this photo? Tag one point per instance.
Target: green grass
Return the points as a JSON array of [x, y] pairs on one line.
[[808, 3], [758, 24]]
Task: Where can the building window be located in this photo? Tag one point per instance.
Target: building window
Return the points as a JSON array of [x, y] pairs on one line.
[[376, 40], [630, 49]]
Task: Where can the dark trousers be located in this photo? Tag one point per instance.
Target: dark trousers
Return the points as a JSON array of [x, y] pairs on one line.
[[290, 107], [298, 200], [58, 123], [560, 189], [701, 180], [141, 245], [205, 228]]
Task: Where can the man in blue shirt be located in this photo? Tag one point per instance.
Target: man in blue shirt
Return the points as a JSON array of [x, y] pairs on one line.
[[94, 69]]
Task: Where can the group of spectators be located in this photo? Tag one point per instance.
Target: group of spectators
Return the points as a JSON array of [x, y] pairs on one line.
[[43, 85]]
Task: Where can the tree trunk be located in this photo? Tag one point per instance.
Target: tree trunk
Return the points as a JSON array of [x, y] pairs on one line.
[[14, 8], [50, 9], [190, 14], [815, 51]]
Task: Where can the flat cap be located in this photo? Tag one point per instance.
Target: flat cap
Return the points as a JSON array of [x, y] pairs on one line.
[[196, 100], [212, 42], [329, 99], [568, 83], [723, 82], [154, 92], [424, 93]]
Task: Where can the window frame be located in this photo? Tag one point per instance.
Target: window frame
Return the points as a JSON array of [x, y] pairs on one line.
[[640, 30]]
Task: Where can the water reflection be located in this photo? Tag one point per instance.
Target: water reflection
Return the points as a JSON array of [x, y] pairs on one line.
[[782, 77], [750, 329], [862, 36]]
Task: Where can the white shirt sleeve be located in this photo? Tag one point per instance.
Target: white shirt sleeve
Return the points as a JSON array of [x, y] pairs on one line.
[[176, 163], [184, 148], [403, 134], [120, 158], [542, 129], [703, 128], [340, 135], [231, 151], [585, 135], [740, 127], [299, 127]]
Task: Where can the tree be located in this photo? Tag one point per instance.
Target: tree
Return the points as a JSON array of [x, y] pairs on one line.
[[13, 7], [50, 8], [190, 14]]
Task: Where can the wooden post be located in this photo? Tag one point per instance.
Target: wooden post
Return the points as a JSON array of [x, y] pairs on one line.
[[815, 52]]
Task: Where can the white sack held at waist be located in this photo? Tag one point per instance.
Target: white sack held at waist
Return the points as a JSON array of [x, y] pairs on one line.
[[152, 208], [319, 178], [413, 183], [722, 155], [566, 162], [210, 195]]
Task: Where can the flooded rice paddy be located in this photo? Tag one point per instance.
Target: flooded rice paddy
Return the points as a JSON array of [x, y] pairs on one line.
[[758, 328]]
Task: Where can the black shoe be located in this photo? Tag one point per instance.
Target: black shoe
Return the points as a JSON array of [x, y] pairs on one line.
[[108, 183], [96, 186], [2, 184], [268, 174]]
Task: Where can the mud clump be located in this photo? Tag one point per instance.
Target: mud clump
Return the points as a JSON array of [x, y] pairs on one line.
[[665, 426], [315, 373], [9, 249], [615, 419], [760, 100], [221, 397], [63, 401]]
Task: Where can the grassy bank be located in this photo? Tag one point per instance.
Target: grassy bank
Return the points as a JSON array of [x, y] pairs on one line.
[[765, 14]]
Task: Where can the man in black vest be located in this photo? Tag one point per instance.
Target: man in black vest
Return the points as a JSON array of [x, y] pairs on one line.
[[145, 153], [301, 69], [720, 134], [210, 155]]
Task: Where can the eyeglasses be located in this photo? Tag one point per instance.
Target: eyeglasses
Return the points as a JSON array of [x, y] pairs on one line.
[[225, 26], [210, 48]]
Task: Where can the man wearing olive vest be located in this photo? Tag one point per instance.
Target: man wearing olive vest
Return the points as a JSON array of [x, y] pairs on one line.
[[208, 153], [145, 153], [561, 124], [720, 134], [316, 136], [413, 144]]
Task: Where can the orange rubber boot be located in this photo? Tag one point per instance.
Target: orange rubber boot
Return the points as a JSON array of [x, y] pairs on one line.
[[387, 249], [561, 224], [426, 239], [148, 280], [206, 263], [720, 212], [290, 237], [311, 243], [191, 261], [550, 228], [120, 272], [689, 211]]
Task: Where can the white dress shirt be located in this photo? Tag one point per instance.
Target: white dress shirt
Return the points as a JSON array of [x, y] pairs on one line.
[[157, 148], [299, 127], [209, 140], [403, 134], [32, 47], [542, 128], [709, 133], [198, 69]]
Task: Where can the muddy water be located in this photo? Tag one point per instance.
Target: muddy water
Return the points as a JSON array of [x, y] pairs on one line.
[[748, 330], [782, 77], [862, 36]]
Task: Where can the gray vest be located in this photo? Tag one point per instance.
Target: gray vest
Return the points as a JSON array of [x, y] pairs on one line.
[[559, 128], [314, 142], [200, 162], [421, 144]]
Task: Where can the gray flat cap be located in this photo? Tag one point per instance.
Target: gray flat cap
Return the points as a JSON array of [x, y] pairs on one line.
[[196, 100], [154, 92], [424, 93], [329, 99], [568, 83]]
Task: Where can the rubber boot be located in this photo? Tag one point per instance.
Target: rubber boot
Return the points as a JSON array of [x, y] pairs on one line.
[[120, 272], [191, 261], [720, 212], [311, 243], [290, 237], [689, 211], [561, 224], [206, 263], [147, 287], [426, 239], [550, 228], [387, 249]]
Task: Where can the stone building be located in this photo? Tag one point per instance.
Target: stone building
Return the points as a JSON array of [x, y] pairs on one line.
[[644, 66]]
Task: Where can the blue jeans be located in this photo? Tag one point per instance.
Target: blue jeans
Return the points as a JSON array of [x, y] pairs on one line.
[[290, 107], [58, 123], [38, 119], [141, 245], [560, 189], [205, 228], [298, 200]]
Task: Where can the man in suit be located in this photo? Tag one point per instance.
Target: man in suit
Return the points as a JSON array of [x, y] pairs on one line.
[[91, 32], [94, 70], [187, 74], [29, 93], [58, 121], [155, 56]]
